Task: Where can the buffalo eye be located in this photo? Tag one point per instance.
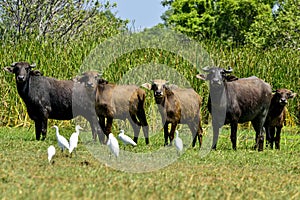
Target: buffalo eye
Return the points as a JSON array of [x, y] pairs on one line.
[[16, 70], [154, 87]]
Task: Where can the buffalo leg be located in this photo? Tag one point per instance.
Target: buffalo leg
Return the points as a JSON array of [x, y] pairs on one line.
[[268, 136], [108, 127], [136, 128], [258, 127], [143, 120], [193, 129], [277, 138], [215, 136], [96, 130], [102, 124], [172, 131], [233, 136], [272, 134], [41, 129], [93, 125], [38, 129], [44, 128], [166, 133], [196, 132]]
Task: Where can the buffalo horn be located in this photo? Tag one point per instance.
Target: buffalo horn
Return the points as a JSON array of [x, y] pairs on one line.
[[206, 69], [33, 65], [13, 64], [230, 70]]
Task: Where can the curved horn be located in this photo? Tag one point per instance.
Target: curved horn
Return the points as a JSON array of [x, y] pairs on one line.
[[13, 64], [33, 65], [230, 70], [206, 69], [99, 74]]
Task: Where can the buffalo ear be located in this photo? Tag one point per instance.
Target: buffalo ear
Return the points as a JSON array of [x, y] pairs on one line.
[[76, 79], [292, 95], [172, 87], [147, 86], [9, 69], [36, 73], [102, 81], [201, 76]]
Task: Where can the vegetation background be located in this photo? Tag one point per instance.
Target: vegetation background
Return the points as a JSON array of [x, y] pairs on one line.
[[249, 35]]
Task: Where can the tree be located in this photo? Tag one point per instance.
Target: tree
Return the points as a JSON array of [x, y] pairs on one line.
[[278, 30], [227, 20], [192, 17], [60, 19]]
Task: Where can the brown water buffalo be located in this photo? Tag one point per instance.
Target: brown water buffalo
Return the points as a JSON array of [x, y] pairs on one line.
[[177, 106], [276, 116], [114, 101], [49, 98], [232, 101]]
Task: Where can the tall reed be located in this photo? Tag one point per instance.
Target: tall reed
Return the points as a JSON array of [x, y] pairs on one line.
[[279, 67]]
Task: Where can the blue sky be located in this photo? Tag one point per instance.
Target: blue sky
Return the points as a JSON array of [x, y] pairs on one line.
[[144, 13]]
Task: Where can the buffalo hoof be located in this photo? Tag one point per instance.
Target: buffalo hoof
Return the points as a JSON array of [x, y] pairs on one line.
[[147, 141], [135, 139]]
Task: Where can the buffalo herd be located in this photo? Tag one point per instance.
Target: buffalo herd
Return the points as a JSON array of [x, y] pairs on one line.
[[231, 100]]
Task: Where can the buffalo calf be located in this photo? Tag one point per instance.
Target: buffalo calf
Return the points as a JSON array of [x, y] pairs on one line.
[[276, 116]]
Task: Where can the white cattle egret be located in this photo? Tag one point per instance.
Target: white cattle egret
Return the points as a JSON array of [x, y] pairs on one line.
[[125, 139], [178, 143], [113, 144], [61, 140], [74, 139], [51, 152]]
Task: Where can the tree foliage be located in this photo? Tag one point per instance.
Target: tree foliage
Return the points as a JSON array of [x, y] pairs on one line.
[[58, 19], [236, 21], [277, 29]]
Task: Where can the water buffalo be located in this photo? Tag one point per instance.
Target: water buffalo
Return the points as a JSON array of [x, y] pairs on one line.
[[177, 106], [49, 98], [232, 101], [114, 101], [276, 116]]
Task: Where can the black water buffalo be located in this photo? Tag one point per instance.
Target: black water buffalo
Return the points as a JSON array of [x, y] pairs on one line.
[[177, 106], [49, 98], [232, 101], [114, 101], [276, 116]]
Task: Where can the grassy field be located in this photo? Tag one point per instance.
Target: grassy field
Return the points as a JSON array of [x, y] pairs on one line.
[[223, 174]]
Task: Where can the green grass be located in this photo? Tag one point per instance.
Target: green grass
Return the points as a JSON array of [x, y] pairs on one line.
[[223, 174]]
